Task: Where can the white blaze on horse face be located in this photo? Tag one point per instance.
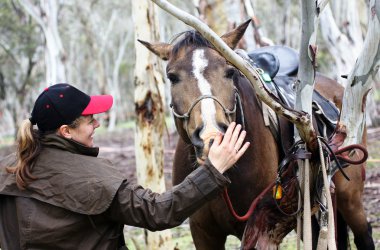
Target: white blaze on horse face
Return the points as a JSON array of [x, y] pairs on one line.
[[208, 109]]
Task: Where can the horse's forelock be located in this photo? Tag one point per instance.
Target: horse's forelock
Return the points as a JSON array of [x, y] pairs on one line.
[[189, 38]]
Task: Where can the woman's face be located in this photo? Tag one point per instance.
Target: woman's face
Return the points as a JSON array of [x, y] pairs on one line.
[[84, 132]]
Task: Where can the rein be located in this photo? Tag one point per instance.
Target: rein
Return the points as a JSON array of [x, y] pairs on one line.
[[251, 208]]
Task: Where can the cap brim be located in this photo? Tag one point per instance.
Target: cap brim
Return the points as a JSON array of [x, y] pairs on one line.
[[98, 104]]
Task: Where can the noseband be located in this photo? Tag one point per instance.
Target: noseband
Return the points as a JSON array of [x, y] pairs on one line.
[[185, 117]]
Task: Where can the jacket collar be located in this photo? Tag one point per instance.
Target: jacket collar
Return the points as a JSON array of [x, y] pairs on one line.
[[56, 141]]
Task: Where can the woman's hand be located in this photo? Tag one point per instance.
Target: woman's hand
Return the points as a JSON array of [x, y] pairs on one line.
[[225, 151]]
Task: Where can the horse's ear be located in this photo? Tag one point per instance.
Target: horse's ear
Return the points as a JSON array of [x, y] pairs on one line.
[[162, 50], [233, 37]]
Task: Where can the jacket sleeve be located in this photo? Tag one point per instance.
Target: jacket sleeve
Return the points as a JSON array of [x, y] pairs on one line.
[[136, 206]]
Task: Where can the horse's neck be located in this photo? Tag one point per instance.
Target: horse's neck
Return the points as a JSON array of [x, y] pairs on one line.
[[262, 140], [252, 109]]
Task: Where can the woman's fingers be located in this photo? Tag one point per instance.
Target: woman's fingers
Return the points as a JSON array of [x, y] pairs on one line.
[[240, 140], [235, 134], [229, 131], [242, 150], [226, 151]]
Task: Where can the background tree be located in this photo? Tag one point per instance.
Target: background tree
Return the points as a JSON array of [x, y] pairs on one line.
[[361, 79], [149, 104], [45, 14], [20, 46]]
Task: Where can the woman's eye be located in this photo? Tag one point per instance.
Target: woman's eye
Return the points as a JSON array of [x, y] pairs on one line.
[[173, 78], [230, 73]]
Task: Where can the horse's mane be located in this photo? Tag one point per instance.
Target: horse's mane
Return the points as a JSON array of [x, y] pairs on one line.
[[189, 38]]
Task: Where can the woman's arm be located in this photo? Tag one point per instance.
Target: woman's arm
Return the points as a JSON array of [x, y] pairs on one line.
[[136, 206]]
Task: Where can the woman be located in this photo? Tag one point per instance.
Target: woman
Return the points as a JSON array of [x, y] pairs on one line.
[[56, 194]]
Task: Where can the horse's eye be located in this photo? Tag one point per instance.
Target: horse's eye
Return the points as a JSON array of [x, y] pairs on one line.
[[230, 73], [173, 78]]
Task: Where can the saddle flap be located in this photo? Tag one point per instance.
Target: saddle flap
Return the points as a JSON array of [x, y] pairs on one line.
[[325, 113]]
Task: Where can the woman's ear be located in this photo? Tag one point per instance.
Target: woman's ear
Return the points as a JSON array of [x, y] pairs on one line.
[[64, 131]]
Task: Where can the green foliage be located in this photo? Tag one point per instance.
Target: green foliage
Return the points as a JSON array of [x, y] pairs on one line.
[[18, 33], [19, 40]]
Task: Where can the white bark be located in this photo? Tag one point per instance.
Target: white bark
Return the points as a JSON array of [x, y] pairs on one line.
[[304, 89], [360, 80], [115, 85], [344, 48], [308, 49], [47, 19], [304, 92], [149, 102], [346, 14]]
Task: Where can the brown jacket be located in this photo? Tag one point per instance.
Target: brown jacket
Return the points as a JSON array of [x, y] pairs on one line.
[[79, 201]]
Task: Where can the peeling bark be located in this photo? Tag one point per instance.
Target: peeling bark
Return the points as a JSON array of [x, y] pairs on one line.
[[361, 79], [343, 49], [149, 107]]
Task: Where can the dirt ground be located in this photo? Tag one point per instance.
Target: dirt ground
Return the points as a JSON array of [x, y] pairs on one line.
[[119, 147]]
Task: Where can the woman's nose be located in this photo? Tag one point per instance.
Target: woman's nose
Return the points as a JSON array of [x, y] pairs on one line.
[[96, 123]]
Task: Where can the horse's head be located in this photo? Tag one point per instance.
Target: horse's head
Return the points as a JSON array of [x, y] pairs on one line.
[[204, 97]]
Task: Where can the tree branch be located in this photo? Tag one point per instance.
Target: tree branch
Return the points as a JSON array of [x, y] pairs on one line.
[[33, 11], [299, 118]]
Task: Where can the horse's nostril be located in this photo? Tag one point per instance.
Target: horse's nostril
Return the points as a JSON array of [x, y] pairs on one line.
[[196, 139], [223, 127], [211, 142]]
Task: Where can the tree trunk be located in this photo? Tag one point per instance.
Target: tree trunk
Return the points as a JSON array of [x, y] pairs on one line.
[[306, 73], [115, 86], [360, 80], [214, 14], [149, 104], [46, 15], [342, 46], [304, 92]]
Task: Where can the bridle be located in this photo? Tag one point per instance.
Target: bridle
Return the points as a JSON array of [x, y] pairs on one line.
[[228, 113]]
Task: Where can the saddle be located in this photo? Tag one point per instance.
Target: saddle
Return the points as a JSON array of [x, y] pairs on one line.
[[276, 60], [280, 64]]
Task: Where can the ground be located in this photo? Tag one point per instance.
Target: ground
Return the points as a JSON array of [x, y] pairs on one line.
[[119, 147]]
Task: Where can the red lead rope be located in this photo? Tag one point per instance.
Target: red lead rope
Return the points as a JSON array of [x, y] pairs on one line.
[[258, 198], [251, 208], [349, 148]]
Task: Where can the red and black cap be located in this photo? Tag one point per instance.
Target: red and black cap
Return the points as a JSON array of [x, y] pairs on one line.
[[62, 103]]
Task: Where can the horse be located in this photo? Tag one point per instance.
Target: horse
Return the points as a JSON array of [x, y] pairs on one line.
[[208, 93]]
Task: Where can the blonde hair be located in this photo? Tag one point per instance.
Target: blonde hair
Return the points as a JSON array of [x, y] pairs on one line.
[[28, 148]]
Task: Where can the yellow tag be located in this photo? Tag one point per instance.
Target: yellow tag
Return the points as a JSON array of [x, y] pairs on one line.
[[277, 192]]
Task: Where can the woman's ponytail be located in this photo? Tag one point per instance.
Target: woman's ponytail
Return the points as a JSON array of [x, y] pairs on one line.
[[28, 148]]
